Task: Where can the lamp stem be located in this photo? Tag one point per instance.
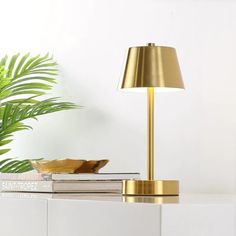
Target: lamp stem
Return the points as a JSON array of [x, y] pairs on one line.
[[150, 154]]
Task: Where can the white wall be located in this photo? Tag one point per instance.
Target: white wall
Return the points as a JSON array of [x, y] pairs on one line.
[[196, 129]]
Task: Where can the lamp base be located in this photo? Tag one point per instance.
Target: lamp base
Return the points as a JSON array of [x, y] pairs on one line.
[[151, 187]]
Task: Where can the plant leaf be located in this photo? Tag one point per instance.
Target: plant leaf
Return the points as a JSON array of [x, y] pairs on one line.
[[23, 80], [3, 151], [11, 64]]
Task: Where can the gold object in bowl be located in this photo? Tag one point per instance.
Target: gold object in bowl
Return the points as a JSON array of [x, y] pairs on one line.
[[68, 166]]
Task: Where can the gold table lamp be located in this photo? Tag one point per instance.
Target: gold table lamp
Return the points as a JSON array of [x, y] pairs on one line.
[[154, 68]]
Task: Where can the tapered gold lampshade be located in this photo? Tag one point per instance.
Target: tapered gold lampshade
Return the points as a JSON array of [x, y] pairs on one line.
[[154, 68]]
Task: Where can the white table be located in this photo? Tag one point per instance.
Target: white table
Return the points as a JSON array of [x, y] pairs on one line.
[[25, 214]]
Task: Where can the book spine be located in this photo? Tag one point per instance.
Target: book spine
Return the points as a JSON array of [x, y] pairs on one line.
[[24, 176], [26, 186]]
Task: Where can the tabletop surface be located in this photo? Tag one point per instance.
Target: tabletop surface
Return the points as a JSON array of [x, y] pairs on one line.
[[182, 199]]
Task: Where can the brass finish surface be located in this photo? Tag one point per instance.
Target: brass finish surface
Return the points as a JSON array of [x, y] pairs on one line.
[[150, 147], [68, 166], [151, 199], [152, 66], [92, 166], [151, 187]]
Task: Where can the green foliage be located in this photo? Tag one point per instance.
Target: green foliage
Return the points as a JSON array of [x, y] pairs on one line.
[[23, 82], [10, 165]]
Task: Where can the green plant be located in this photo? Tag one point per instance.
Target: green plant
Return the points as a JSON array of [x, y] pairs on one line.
[[24, 80], [11, 165]]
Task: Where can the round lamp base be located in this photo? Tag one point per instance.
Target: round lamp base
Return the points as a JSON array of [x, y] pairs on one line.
[[151, 187]]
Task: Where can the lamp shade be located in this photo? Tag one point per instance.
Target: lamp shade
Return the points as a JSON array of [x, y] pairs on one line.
[[152, 67]]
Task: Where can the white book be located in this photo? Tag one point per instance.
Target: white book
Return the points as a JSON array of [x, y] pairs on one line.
[[100, 186], [38, 176], [77, 196]]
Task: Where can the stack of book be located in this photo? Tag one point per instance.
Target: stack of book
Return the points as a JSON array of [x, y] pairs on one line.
[[64, 183]]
